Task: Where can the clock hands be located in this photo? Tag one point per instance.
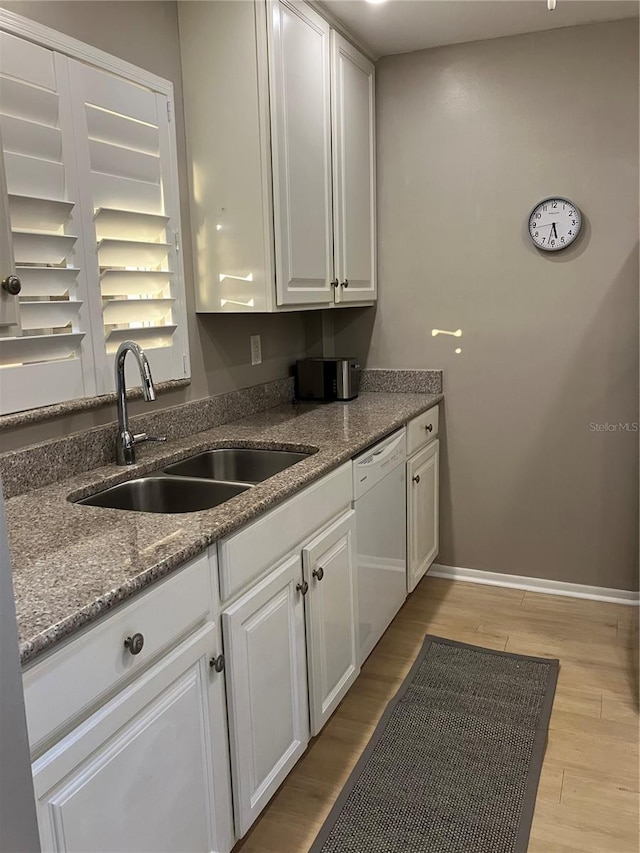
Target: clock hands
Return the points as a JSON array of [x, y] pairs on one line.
[[552, 233], [554, 224]]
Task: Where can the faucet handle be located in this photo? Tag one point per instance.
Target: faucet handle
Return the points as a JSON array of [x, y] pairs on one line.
[[139, 437]]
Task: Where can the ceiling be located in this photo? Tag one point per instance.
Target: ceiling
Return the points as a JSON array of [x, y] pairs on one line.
[[398, 26]]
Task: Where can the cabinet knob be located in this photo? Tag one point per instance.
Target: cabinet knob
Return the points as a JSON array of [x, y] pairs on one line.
[[318, 573], [429, 427], [344, 283], [12, 285], [303, 587], [334, 282], [416, 479], [217, 663], [134, 643]]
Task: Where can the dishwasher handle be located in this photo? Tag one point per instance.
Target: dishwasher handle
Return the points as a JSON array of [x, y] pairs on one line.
[[378, 456]]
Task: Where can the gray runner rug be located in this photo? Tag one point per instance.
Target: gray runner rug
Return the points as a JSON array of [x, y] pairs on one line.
[[454, 763]]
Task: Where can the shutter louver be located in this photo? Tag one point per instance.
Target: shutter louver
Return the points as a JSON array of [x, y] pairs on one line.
[[45, 359], [125, 163]]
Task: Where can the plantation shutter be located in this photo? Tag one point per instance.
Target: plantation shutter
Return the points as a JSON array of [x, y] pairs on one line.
[[46, 356], [127, 168]]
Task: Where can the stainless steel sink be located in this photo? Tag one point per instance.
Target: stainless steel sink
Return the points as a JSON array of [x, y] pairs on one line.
[[200, 482], [159, 493], [238, 464]]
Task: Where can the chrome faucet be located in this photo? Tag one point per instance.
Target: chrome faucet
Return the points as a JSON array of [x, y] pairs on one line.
[[126, 440]]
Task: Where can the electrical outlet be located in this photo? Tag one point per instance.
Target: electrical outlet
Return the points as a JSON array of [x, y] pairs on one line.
[[256, 349]]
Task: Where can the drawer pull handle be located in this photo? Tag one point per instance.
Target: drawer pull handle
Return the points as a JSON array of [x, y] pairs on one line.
[[429, 427], [217, 663], [416, 479], [134, 644], [303, 587], [318, 573]]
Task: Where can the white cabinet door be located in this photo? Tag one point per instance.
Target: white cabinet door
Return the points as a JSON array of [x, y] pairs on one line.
[[299, 74], [332, 617], [228, 154], [353, 92], [149, 770], [422, 511], [267, 687]]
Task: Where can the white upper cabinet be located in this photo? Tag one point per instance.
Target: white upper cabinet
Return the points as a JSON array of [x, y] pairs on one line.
[[226, 100], [279, 218], [353, 172], [299, 74]]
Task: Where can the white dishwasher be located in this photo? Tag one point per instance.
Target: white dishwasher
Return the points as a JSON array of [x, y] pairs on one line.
[[380, 503]]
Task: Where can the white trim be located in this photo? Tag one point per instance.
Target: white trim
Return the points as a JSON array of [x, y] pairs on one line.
[[542, 585], [54, 40], [340, 28]]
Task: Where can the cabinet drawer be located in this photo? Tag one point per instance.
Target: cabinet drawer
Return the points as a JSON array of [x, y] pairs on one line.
[[422, 430], [68, 684], [254, 549]]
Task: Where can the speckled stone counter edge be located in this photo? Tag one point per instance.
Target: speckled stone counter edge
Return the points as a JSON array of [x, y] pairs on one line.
[[401, 381], [70, 407], [47, 462], [45, 640]]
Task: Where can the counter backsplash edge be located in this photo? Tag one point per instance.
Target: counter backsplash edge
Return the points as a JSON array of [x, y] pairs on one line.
[[401, 381], [47, 462]]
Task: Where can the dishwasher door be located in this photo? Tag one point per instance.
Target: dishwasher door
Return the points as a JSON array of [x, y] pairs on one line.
[[381, 542]]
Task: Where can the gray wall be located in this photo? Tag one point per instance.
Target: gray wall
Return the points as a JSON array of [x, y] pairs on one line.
[[470, 137], [146, 34]]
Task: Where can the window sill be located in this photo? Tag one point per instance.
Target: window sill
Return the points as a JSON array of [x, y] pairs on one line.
[[46, 413]]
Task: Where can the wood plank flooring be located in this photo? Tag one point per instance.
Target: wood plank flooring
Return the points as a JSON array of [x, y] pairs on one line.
[[588, 799]]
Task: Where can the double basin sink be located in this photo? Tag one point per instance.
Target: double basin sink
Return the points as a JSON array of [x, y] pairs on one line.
[[200, 482]]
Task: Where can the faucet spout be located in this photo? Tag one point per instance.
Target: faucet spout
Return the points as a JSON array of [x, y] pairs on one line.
[[126, 440], [147, 382]]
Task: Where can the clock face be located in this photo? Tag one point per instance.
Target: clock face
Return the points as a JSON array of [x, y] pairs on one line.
[[554, 224]]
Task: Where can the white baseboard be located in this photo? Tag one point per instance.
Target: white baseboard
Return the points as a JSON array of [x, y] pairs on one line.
[[549, 587]]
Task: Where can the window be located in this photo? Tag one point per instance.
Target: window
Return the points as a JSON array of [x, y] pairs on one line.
[[91, 183]]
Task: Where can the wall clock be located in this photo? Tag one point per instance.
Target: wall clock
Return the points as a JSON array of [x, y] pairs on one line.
[[554, 224]]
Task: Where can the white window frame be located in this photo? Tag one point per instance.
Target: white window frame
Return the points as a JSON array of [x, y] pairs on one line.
[[17, 25], [54, 40]]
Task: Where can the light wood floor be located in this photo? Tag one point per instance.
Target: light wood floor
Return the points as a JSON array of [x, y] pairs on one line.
[[588, 796]]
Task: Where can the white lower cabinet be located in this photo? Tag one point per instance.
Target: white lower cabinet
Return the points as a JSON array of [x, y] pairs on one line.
[[264, 640], [331, 610], [422, 511], [133, 756], [149, 770]]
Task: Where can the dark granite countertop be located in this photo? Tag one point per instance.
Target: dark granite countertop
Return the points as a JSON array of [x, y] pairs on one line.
[[73, 563]]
